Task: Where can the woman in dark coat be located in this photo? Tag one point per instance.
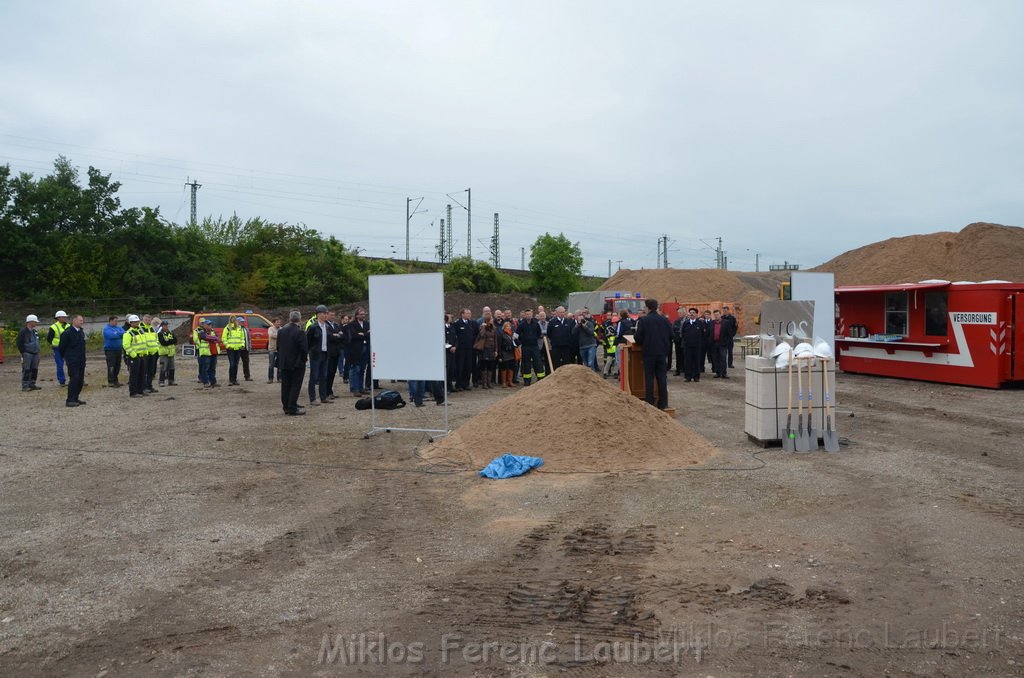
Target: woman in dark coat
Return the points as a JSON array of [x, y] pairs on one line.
[[487, 344]]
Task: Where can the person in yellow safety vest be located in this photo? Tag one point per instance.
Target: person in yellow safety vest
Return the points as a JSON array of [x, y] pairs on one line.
[[207, 342], [608, 332], [60, 324], [152, 349], [166, 359], [134, 343], [234, 341]]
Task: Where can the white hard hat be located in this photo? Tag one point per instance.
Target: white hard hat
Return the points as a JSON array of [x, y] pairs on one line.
[[31, 319], [804, 350], [60, 314], [133, 318]]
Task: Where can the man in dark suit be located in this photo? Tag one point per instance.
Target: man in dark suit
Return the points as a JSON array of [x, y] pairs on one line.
[[357, 339], [677, 341], [291, 359], [72, 352], [654, 333], [465, 330], [717, 336], [731, 327], [692, 335]]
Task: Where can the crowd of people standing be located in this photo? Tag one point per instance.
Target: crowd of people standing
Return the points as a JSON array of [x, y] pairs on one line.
[[496, 349]]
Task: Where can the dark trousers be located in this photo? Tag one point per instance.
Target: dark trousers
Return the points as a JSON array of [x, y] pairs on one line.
[[244, 354], [332, 372], [436, 389], [692, 362], [150, 370], [318, 376], [656, 370], [561, 355], [718, 360], [136, 375], [680, 357], [291, 386], [234, 357], [728, 345], [76, 377], [113, 365], [464, 358]]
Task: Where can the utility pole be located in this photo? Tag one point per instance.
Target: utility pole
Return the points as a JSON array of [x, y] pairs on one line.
[[195, 187], [440, 244], [409, 216], [495, 255], [609, 268], [448, 238], [757, 263], [522, 258], [469, 223]]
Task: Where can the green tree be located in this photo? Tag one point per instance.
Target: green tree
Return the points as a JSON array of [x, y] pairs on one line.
[[474, 276], [556, 265]]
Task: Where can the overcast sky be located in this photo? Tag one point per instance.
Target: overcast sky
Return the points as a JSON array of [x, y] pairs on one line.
[[793, 130]]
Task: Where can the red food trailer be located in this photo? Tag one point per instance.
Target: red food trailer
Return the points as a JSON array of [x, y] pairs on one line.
[[954, 333]]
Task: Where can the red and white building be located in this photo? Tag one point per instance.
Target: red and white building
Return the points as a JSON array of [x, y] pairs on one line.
[[955, 333]]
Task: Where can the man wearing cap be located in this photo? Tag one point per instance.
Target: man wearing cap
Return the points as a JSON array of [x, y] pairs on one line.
[[133, 342], [60, 324], [209, 346], [167, 347], [291, 360], [317, 340], [28, 344], [113, 349], [72, 350], [234, 342]]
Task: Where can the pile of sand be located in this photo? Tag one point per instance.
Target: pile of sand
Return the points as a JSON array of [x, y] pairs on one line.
[[575, 421], [979, 252]]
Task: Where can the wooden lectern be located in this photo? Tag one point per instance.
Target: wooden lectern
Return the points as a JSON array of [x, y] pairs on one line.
[[631, 373]]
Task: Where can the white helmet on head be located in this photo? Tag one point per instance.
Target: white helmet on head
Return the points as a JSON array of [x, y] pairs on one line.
[[60, 314], [133, 318], [31, 319]]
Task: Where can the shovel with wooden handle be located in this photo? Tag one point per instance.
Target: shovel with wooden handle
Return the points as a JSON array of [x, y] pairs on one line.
[[812, 432], [830, 435], [789, 433], [803, 440]]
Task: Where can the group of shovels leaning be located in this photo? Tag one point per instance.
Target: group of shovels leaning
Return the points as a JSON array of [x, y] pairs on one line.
[[804, 438]]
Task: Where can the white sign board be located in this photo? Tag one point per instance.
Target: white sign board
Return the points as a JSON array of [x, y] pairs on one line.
[[821, 289], [407, 326]]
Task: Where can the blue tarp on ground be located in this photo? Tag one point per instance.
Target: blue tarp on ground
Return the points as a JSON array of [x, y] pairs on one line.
[[510, 466]]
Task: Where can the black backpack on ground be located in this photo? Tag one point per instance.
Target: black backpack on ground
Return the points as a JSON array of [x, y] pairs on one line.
[[385, 400]]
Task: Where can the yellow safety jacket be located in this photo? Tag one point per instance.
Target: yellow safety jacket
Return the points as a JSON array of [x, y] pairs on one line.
[[149, 336], [201, 344], [134, 342], [58, 329], [234, 339], [166, 349]]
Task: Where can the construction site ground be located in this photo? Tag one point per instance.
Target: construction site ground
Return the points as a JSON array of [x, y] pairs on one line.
[[202, 533]]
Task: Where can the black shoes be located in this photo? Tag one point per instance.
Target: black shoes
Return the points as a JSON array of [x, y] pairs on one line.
[[74, 403]]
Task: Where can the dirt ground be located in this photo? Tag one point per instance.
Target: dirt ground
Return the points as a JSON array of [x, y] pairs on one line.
[[203, 533]]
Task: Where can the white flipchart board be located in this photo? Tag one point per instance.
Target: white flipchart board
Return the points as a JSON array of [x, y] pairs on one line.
[[821, 289], [407, 326]]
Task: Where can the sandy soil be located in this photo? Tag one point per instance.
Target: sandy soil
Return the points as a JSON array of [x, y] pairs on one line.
[[203, 533]]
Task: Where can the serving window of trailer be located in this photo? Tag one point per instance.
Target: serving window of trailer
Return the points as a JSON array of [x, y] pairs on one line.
[[936, 314], [896, 305]]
